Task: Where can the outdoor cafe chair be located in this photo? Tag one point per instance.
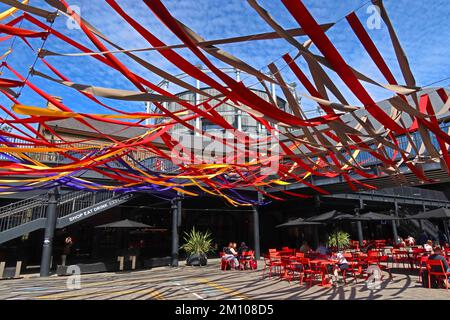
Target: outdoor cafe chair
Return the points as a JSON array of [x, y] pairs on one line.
[[247, 260], [271, 264], [292, 267], [422, 266], [299, 255], [354, 244], [400, 257], [375, 258], [310, 271], [225, 264], [436, 269]]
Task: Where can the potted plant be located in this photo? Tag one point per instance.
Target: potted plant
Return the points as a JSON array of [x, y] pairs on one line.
[[197, 245], [339, 239]]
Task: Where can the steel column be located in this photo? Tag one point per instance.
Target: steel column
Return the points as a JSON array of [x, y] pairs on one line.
[[256, 239], [395, 223], [50, 226], [176, 209], [359, 224]]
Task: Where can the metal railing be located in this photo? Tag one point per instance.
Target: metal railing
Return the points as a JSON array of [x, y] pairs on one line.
[[15, 214], [82, 200], [23, 205], [21, 212]]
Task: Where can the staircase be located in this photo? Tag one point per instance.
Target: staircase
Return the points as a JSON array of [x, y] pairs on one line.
[[22, 217]]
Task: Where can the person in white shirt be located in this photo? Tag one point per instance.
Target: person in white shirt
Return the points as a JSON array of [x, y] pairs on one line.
[[230, 255], [410, 241], [428, 246], [341, 265]]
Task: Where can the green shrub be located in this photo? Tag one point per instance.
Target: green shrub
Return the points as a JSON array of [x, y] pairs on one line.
[[339, 237], [197, 242]]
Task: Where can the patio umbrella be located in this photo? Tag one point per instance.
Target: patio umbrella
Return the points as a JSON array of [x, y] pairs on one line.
[[374, 216], [440, 213], [124, 224], [298, 222], [335, 216]]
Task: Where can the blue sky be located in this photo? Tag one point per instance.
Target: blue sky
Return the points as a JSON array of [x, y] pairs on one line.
[[422, 27]]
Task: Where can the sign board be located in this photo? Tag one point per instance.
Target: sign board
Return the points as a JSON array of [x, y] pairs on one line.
[[93, 210]]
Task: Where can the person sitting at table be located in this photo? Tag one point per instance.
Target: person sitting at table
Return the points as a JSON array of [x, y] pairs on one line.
[[341, 265], [437, 255], [322, 249], [243, 248], [410, 241], [305, 248], [230, 255], [428, 246]]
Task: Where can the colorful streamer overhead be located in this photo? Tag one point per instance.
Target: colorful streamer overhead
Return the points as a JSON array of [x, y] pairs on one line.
[[144, 152]]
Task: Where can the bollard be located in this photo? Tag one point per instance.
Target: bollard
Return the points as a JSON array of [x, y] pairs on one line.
[[18, 269], [133, 262], [2, 269], [120, 259]]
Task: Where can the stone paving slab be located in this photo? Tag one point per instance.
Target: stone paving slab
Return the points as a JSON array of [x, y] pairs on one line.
[[209, 283]]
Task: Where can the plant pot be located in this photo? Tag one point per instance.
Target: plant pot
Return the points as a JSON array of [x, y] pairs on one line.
[[197, 260]]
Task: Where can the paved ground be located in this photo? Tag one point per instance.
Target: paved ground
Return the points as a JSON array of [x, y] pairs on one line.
[[207, 283]]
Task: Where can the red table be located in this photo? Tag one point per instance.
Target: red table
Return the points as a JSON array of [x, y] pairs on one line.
[[323, 264]]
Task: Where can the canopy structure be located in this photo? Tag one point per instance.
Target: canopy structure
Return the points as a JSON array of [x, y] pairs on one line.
[[339, 142]]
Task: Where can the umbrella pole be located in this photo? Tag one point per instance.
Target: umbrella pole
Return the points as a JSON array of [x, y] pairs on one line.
[[446, 229], [337, 240]]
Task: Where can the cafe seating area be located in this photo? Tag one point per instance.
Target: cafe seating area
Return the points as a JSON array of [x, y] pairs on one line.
[[374, 259]]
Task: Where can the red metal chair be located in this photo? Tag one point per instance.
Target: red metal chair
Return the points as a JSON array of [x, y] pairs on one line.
[[224, 264], [376, 257], [247, 259], [436, 269], [310, 271], [272, 264], [422, 266], [400, 257], [354, 244], [299, 255]]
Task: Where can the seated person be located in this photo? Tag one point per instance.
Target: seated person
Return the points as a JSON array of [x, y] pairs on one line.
[[428, 246], [322, 249], [341, 265], [410, 241], [305, 248], [243, 248], [438, 255], [230, 255]]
